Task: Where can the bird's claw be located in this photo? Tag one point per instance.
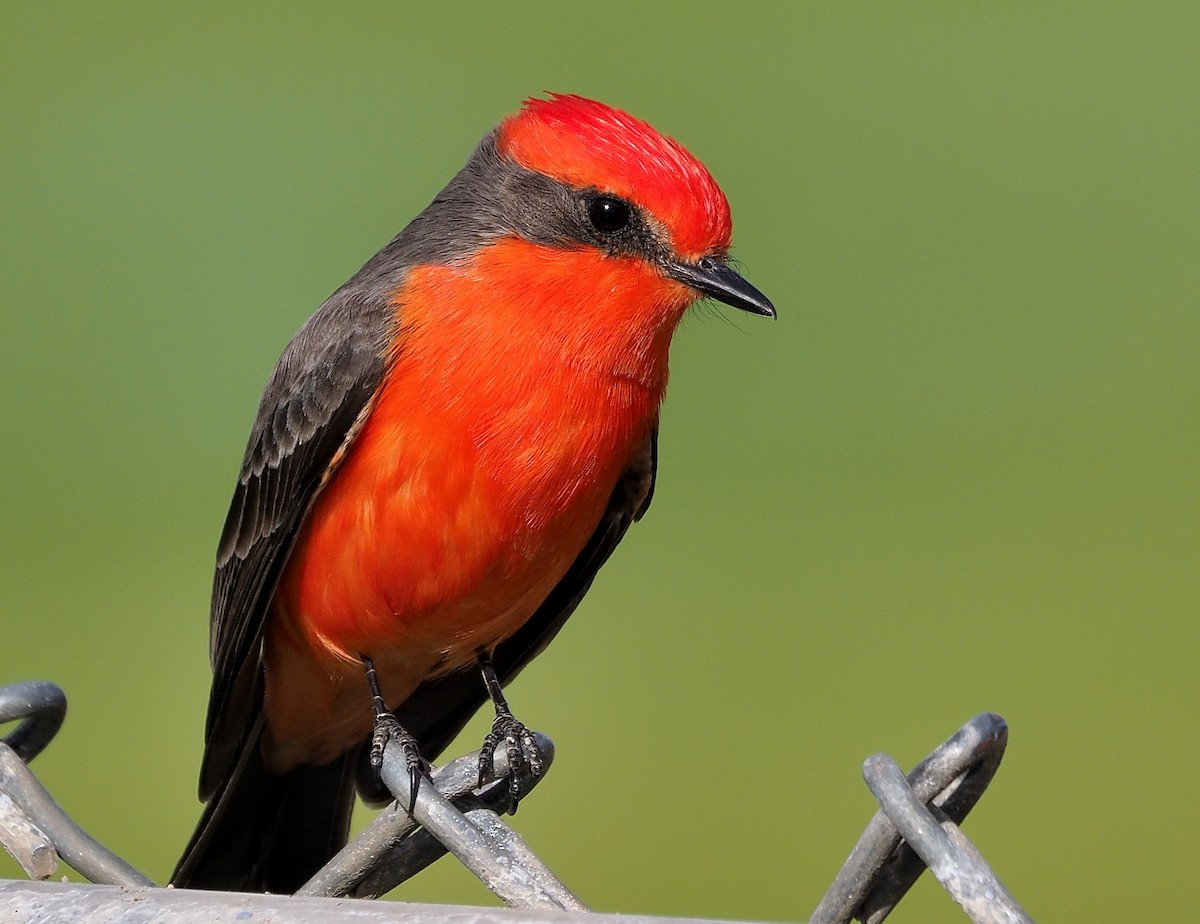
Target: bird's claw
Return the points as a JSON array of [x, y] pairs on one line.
[[388, 729], [520, 747]]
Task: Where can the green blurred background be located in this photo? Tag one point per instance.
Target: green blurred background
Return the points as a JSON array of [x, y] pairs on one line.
[[959, 474]]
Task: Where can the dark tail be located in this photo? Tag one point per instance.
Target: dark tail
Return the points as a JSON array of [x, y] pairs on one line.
[[265, 832]]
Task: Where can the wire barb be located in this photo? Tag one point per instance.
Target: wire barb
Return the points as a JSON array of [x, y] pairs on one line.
[[951, 858], [520, 886], [882, 867], [40, 706], [392, 849]]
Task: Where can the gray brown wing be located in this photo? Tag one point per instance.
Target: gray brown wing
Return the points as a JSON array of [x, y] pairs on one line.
[[438, 709], [314, 401]]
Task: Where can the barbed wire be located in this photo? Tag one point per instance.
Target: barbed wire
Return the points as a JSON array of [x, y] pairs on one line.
[[916, 827], [912, 830], [40, 706]]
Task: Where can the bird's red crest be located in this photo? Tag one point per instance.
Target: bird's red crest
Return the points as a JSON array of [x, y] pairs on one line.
[[588, 144]]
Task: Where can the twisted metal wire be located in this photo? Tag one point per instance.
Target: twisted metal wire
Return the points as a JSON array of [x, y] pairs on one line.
[[916, 828]]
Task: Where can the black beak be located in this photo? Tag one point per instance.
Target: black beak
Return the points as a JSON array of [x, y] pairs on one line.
[[716, 279]]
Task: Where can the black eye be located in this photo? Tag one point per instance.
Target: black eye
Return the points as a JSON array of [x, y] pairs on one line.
[[608, 214]]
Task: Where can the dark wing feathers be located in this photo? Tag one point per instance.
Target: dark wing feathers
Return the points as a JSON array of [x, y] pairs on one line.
[[315, 399]]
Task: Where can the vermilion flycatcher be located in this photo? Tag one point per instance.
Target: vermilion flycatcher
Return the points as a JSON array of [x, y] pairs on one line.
[[443, 457]]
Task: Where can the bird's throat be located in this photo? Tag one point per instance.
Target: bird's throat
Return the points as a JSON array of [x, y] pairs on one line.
[[557, 309]]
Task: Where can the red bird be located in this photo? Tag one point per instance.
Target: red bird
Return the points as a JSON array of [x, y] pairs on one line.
[[444, 456]]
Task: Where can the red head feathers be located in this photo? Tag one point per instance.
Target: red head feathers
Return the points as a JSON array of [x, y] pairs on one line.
[[590, 145]]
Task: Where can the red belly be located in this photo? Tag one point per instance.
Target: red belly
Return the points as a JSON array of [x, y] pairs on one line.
[[482, 470], [418, 553]]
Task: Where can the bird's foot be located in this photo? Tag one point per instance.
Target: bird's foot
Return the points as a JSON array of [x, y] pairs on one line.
[[388, 730], [520, 747]]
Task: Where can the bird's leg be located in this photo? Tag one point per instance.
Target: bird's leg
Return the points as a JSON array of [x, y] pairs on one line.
[[524, 757], [388, 728]]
